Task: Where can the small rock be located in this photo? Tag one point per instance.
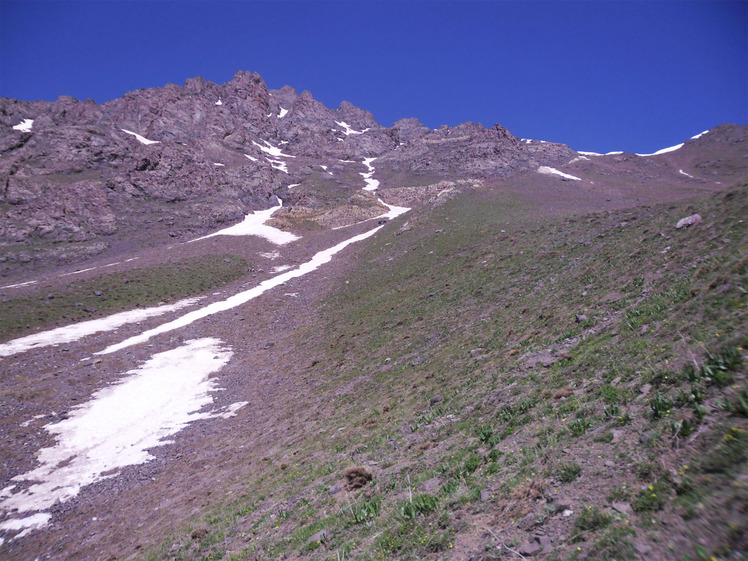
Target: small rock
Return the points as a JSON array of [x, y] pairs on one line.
[[644, 390], [173, 234], [98, 292], [623, 508], [436, 399], [334, 490], [321, 536], [89, 310], [477, 353], [688, 221], [609, 463], [642, 548], [50, 296], [545, 542], [430, 485], [580, 318], [617, 436], [568, 512], [485, 495], [268, 345], [530, 548], [616, 381], [417, 361]]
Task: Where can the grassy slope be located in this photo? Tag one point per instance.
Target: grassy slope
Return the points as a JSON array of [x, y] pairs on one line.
[[536, 412], [41, 308]]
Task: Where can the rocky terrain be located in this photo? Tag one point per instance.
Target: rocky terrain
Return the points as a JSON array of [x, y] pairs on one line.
[[473, 346]]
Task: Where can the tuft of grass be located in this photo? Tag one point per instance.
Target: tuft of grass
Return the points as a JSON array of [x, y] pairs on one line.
[[568, 471], [590, 519]]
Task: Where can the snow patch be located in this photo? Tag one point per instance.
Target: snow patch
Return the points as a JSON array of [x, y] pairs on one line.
[[118, 426], [545, 170], [24, 126], [271, 150], [278, 164], [281, 268], [371, 184], [664, 150], [77, 331], [699, 135], [28, 524], [141, 139], [219, 102], [686, 174], [348, 130], [250, 157], [254, 225], [219, 164], [293, 185], [282, 113]]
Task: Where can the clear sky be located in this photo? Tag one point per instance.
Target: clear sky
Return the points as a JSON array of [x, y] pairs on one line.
[[596, 75]]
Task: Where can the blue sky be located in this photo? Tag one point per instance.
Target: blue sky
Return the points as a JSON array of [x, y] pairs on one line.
[[599, 75]]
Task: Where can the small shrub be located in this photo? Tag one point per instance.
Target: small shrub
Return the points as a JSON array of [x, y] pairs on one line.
[[681, 428], [471, 464], [651, 498], [610, 412], [719, 367], [579, 426], [365, 511], [421, 503], [661, 405], [485, 434], [591, 518], [568, 472]]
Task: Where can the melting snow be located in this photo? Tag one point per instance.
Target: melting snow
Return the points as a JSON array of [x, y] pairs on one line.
[[348, 130], [371, 184], [24, 126], [77, 331], [278, 164], [686, 174], [250, 157], [293, 185], [141, 139], [28, 524], [219, 102], [699, 135], [552, 171], [19, 284], [219, 164], [272, 150], [282, 113], [664, 150], [272, 255], [118, 426], [254, 225], [319, 259]]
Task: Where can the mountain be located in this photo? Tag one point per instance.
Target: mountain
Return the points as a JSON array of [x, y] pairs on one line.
[[237, 324]]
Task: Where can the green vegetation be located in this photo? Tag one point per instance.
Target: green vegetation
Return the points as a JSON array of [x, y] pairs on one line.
[[644, 402], [106, 294]]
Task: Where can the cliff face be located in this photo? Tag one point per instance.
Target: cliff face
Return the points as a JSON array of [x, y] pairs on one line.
[[203, 152]]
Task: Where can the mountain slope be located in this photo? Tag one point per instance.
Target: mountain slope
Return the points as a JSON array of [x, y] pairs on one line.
[[525, 363]]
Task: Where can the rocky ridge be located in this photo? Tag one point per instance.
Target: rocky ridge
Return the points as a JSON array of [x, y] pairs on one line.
[[180, 161]]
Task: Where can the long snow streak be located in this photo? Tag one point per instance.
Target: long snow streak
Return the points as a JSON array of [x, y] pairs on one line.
[[317, 261], [371, 184], [545, 170], [141, 139], [118, 426], [77, 331]]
